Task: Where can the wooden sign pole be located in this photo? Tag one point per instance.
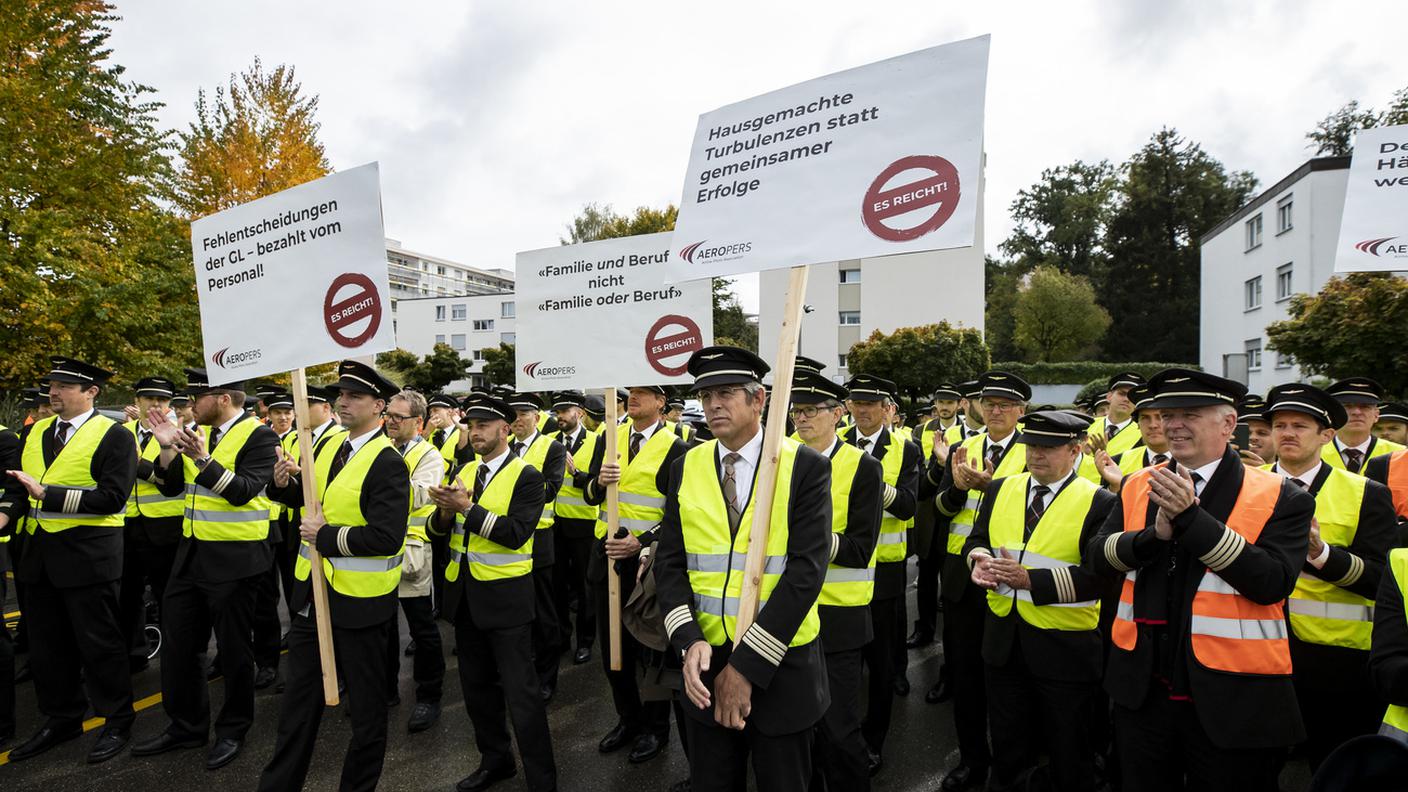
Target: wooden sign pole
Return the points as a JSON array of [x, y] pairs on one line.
[[613, 525], [315, 560], [766, 482]]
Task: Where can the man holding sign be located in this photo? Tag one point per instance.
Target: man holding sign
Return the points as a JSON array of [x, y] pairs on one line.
[[761, 699], [359, 528]]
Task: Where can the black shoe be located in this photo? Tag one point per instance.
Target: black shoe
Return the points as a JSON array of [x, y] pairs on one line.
[[647, 747], [213, 673], [873, 762], [411, 648], [164, 742], [44, 739], [222, 753], [939, 693], [111, 740], [901, 685], [424, 714], [583, 655], [546, 692], [962, 777], [265, 677], [615, 739], [483, 779], [917, 640]]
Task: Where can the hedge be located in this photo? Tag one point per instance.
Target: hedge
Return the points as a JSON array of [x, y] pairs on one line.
[[1080, 371]]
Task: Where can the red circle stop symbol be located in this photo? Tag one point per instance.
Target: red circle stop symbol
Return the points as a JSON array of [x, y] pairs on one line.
[[911, 197], [352, 309], [670, 342]]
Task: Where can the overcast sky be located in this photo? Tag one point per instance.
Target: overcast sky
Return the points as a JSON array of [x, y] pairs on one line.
[[495, 122]]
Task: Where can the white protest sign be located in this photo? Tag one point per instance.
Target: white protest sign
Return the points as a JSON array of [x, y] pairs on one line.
[[872, 161], [600, 315], [1374, 226], [294, 279]]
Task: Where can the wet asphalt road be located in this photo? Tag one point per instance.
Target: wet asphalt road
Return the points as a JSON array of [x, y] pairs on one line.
[[921, 743]]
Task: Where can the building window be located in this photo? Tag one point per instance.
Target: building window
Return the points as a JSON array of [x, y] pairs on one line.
[[850, 317], [439, 270], [1283, 214], [1254, 233], [439, 338], [1252, 293], [506, 310], [841, 360], [439, 313], [1283, 282], [478, 354], [507, 338], [1284, 360], [850, 276], [483, 324], [458, 313], [1254, 354], [457, 342]]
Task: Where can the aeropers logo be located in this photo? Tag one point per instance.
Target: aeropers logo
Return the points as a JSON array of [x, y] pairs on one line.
[[536, 370], [227, 360], [1381, 248], [697, 253]]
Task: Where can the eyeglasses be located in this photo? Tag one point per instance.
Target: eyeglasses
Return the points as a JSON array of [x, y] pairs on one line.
[[722, 394], [1001, 406], [806, 411], [392, 417]]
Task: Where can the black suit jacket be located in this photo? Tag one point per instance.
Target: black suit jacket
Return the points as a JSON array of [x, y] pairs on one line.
[[902, 505], [596, 566], [221, 562], [82, 555], [1376, 469], [553, 466], [1388, 657], [574, 528], [953, 579], [142, 530], [385, 501], [791, 695], [498, 604], [1236, 711], [1067, 655], [846, 628]]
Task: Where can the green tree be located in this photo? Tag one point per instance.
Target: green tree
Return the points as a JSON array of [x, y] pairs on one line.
[[429, 374], [1171, 193], [731, 325], [1060, 220], [500, 365], [398, 361], [1003, 278], [1334, 135], [1057, 317], [918, 358], [259, 135], [1354, 326], [90, 264]]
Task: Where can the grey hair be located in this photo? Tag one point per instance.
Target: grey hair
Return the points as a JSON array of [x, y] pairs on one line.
[[752, 389], [413, 400]]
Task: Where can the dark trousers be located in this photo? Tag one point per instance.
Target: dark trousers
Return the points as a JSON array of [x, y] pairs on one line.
[[497, 676], [1337, 699], [718, 759], [1029, 713], [1162, 746], [268, 631], [927, 594], [841, 764], [7, 667], [285, 558], [569, 580], [191, 609], [638, 716], [963, 654], [363, 652], [898, 651], [143, 564], [439, 559], [77, 643], [879, 657], [16, 549], [428, 662], [547, 634]]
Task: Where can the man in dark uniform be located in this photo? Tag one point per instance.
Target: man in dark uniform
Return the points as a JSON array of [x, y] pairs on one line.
[[931, 554], [1041, 643], [841, 757], [1393, 422], [77, 468], [364, 490], [760, 700], [1200, 667], [1355, 444], [9, 460], [491, 511], [221, 563], [575, 521], [870, 398], [645, 450], [278, 408]]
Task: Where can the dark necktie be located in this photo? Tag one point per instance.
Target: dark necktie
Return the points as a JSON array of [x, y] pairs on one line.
[[214, 439], [344, 452], [995, 454], [1159, 459], [517, 448], [730, 487], [636, 439], [1353, 458], [1197, 479], [1037, 507], [481, 480], [144, 437], [1110, 431], [1300, 484], [61, 435], [864, 444]]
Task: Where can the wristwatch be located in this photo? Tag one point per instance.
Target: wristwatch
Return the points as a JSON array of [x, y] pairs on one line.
[[201, 463]]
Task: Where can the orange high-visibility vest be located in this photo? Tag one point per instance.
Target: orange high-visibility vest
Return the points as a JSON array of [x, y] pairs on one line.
[[1398, 482], [1230, 632]]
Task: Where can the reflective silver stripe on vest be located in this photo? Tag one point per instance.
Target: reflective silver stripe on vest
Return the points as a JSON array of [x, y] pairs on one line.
[[355, 563], [719, 562], [1025, 595], [212, 515], [637, 526], [1213, 583], [891, 537], [498, 559], [961, 528], [48, 515], [1341, 611], [570, 500], [148, 500], [849, 575], [1037, 560], [419, 520], [1124, 611], [1389, 730], [714, 606], [1256, 629], [648, 501]]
